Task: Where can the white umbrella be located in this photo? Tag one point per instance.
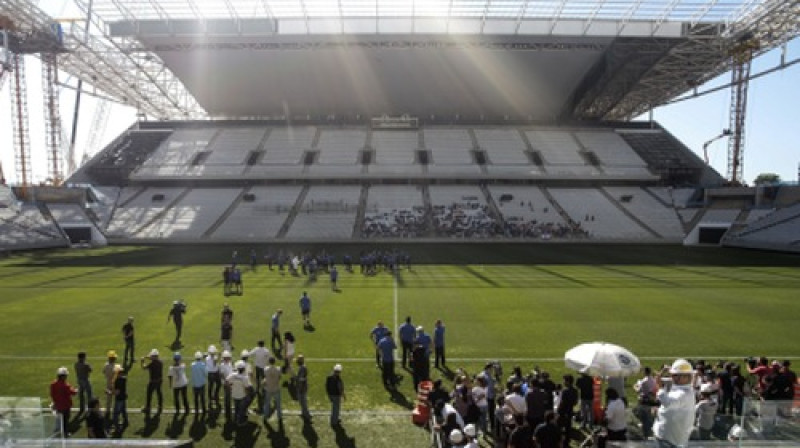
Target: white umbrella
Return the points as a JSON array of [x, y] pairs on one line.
[[602, 359]]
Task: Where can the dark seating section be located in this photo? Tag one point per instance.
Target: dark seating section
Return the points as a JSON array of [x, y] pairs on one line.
[[124, 155]]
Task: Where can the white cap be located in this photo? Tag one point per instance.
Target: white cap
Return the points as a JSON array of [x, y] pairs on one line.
[[708, 388], [212, 349], [419, 328], [240, 365], [245, 353], [62, 371], [456, 436], [153, 352], [174, 302], [337, 368], [198, 355], [681, 367], [470, 430], [736, 433], [226, 354]]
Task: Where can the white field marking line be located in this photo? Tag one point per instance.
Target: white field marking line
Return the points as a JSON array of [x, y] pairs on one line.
[[364, 360]]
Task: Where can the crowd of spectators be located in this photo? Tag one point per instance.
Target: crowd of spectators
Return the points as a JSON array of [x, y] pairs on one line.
[[518, 227], [397, 223], [468, 219]]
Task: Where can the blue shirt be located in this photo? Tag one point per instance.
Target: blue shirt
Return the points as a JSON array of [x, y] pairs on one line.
[[438, 336], [407, 332], [386, 346], [199, 373], [305, 303], [425, 341], [276, 320], [378, 333], [334, 274]]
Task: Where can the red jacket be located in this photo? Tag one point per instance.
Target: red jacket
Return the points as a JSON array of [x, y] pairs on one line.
[[61, 393]]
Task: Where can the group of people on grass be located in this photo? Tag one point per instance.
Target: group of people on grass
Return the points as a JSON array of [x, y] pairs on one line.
[[254, 377]]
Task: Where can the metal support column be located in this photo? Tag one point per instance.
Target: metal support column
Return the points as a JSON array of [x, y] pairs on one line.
[[52, 118], [19, 114]]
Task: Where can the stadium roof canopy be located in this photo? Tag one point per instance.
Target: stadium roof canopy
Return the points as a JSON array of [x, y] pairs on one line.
[[493, 59]]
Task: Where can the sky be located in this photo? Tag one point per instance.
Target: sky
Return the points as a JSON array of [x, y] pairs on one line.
[[771, 142]]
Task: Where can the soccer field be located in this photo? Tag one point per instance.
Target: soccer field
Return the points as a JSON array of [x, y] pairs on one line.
[[56, 304]]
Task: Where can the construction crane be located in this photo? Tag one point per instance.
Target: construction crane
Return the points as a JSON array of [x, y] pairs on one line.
[[741, 57], [724, 133]]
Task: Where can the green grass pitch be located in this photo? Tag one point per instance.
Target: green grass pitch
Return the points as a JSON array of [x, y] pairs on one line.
[[522, 309]]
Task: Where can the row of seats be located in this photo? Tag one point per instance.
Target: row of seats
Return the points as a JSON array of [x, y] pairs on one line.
[[332, 212], [221, 150]]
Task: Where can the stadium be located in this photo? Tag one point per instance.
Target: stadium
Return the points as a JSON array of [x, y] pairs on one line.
[[474, 161]]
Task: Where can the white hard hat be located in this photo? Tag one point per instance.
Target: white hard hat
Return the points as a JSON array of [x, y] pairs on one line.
[[62, 371], [240, 365], [708, 388], [456, 436], [681, 367], [226, 354], [212, 349], [245, 353], [153, 352], [337, 368], [470, 430], [736, 433], [198, 355]]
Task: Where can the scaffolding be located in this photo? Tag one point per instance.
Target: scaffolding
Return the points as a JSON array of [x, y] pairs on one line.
[[19, 115], [52, 118]]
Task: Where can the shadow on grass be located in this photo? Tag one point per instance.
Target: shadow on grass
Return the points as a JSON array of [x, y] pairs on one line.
[[400, 399], [212, 417], [151, 423], [277, 438], [312, 439], [342, 439], [176, 426], [198, 429], [247, 435]]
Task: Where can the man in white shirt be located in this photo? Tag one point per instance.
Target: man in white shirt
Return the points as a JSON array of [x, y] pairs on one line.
[[260, 355], [240, 387], [214, 380], [675, 418], [515, 402], [225, 370], [272, 390]]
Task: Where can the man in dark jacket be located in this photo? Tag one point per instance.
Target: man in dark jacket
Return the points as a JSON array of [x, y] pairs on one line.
[[334, 386]]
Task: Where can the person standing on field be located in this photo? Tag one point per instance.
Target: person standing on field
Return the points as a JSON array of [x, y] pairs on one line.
[[127, 337], [82, 372], [438, 344], [334, 387], [61, 393], [305, 309]]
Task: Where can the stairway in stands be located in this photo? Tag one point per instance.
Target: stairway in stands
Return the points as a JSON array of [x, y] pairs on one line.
[[161, 214], [301, 198], [362, 210], [213, 228], [630, 215]]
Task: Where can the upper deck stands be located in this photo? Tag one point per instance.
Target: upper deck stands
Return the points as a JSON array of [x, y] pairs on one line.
[[448, 152]]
